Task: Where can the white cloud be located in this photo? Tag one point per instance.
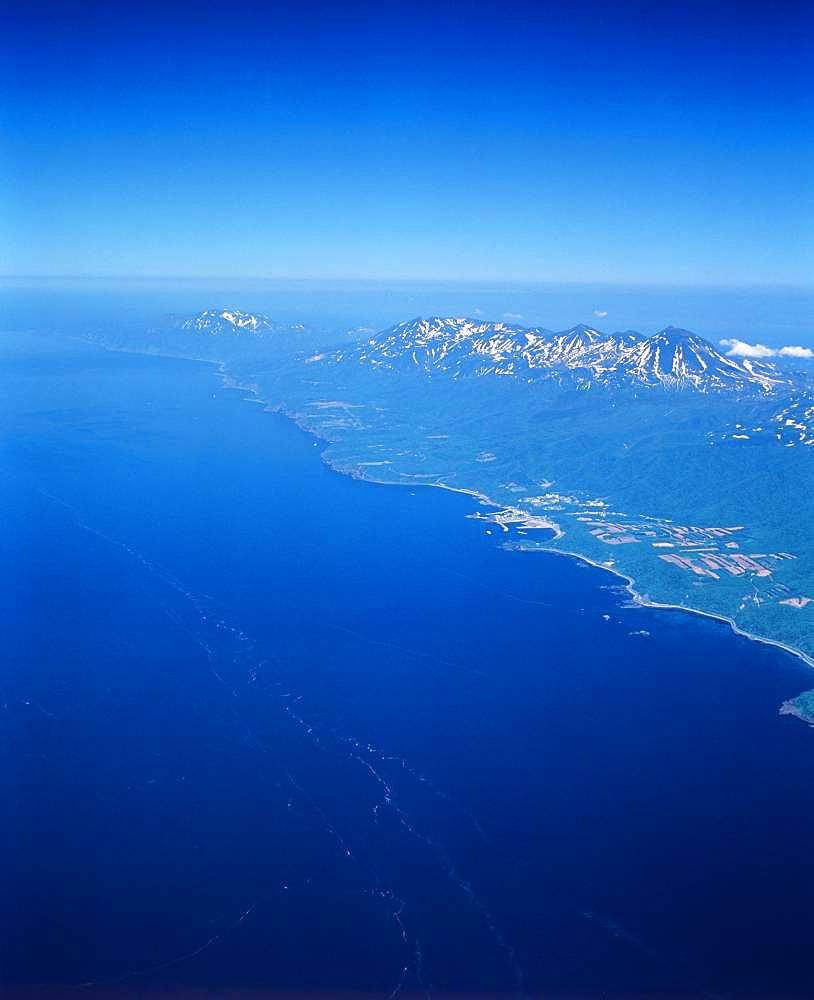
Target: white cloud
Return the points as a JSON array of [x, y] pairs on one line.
[[796, 352], [512, 316], [740, 349], [601, 313]]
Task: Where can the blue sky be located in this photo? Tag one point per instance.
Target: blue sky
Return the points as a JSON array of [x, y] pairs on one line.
[[548, 142]]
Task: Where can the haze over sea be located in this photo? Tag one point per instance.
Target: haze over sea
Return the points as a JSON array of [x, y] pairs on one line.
[[773, 315], [313, 733]]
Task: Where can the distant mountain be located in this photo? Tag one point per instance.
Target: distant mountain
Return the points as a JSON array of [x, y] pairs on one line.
[[234, 322], [581, 357]]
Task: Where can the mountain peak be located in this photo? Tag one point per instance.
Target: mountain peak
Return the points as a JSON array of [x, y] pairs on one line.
[[677, 333], [226, 320]]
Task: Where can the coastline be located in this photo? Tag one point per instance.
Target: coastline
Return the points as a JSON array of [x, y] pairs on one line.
[[230, 382], [801, 707], [630, 583], [645, 602]]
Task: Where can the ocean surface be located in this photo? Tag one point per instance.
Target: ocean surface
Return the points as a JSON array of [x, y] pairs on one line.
[[267, 727]]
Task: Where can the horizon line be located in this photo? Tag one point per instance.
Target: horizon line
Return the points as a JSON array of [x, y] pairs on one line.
[[379, 280]]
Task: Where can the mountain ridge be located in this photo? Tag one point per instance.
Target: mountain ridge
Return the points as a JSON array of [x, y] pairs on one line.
[[673, 358]]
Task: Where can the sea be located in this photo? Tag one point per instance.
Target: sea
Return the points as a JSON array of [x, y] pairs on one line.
[[268, 730]]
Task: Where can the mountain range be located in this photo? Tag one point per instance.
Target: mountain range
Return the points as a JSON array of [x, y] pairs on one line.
[[581, 356]]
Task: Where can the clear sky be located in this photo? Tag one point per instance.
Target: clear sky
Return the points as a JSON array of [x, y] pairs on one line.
[[634, 142]]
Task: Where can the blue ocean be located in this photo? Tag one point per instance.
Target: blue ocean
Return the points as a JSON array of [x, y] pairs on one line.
[[268, 730]]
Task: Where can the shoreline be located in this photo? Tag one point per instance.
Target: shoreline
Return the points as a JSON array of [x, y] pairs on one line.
[[229, 382], [644, 602]]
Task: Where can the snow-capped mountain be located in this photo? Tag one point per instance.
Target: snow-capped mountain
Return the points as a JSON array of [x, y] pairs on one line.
[[455, 346], [231, 322], [581, 356]]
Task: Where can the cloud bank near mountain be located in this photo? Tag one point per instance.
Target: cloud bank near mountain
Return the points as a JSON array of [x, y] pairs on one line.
[[740, 349]]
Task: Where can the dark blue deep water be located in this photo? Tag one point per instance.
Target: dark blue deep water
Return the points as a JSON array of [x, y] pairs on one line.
[[266, 727]]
